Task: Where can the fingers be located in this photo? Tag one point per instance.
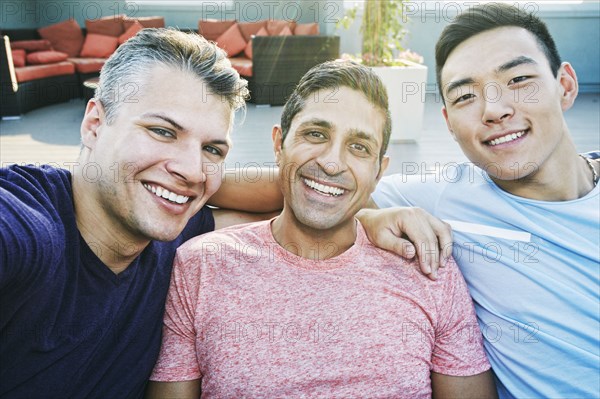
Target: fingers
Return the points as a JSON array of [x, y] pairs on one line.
[[445, 240], [431, 237], [428, 237]]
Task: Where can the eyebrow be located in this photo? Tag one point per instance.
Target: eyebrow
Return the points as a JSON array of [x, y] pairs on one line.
[[457, 83], [515, 63], [502, 68], [179, 127], [355, 133], [359, 134], [164, 118], [318, 122]]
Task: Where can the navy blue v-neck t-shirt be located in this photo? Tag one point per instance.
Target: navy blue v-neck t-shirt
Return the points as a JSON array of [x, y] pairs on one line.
[[69, 326]]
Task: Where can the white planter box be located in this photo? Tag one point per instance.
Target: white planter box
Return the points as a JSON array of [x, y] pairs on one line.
[[406, 91]]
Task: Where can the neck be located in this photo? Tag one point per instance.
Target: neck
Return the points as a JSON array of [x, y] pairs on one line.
[[105, 236], [563, 176], [312, 243]]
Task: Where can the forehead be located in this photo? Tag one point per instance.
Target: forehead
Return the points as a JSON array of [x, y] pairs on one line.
[[486, 51], [343, 108], [181, 95]]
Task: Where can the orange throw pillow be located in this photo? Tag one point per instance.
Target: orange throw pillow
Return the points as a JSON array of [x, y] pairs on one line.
[[147, 22], [46, 57], [275, 26], [211, 29], [307, 29], [286, 31], [131, 32], [18, 57], [65, 36], [250, 29], [108, 26], [99, 46], [232, 41], [248, 49], [31, 45]]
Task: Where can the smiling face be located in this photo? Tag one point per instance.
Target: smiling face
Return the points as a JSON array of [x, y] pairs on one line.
[[504, 106], [330, 160], [160, 158]]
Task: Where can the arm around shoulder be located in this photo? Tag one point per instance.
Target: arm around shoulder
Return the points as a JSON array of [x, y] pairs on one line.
[[174, 390], [249, 189], [479, 386]]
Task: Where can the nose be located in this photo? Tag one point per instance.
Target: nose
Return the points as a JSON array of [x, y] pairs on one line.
[[187, 164], [332, 159], [497, 106]]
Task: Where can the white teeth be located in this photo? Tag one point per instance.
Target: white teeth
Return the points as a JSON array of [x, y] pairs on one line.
[[323, 188], [166, 194], [506, 139]]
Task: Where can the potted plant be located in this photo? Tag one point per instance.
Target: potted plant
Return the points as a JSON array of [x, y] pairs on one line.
[[383, 29]]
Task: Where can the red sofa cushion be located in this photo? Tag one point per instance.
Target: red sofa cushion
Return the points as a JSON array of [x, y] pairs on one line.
[[311, 29], [33, 72], [131, 32], [146, 22], [31, 45], [211, 29], [99, 46], [248, 49], [108, 26], [243, 65], [18, 57], [251, 28], [275, 26], [286, 31], [87, 65], [65, 36], [232, 41], [46, 57]]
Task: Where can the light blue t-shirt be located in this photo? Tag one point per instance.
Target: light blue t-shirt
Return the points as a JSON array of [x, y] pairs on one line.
[[532, 268]]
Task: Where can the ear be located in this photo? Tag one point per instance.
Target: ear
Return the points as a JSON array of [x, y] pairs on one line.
[[445, 115], [567, 79], [277, 136], [92, 121], [385, 162]]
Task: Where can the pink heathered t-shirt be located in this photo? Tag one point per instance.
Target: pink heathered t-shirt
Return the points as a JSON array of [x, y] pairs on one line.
[[252, 320]]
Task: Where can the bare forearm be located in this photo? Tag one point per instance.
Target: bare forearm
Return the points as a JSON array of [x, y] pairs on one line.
[[480, 386], [250, 190], [173, 390]]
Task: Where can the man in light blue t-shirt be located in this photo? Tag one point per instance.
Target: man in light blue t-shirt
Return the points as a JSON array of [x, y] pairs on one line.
[[525, 212]]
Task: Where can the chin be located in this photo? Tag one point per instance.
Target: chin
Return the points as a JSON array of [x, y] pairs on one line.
[[163, 234]]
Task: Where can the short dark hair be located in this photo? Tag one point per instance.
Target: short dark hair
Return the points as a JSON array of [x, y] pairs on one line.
[[173, 48], [332, 75], [485, 17]]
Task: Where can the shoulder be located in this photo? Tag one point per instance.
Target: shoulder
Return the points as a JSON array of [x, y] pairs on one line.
[[37, 212], [592, 154], [31, 184], [426, 186], [36, 191], [201, 223], [233, 238]]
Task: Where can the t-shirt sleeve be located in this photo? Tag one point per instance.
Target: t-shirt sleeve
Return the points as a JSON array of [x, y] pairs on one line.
[[177, 360], [458, 349], [408, 190]]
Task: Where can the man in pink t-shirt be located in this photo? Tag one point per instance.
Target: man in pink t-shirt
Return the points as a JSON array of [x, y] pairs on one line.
[[303, 305]]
